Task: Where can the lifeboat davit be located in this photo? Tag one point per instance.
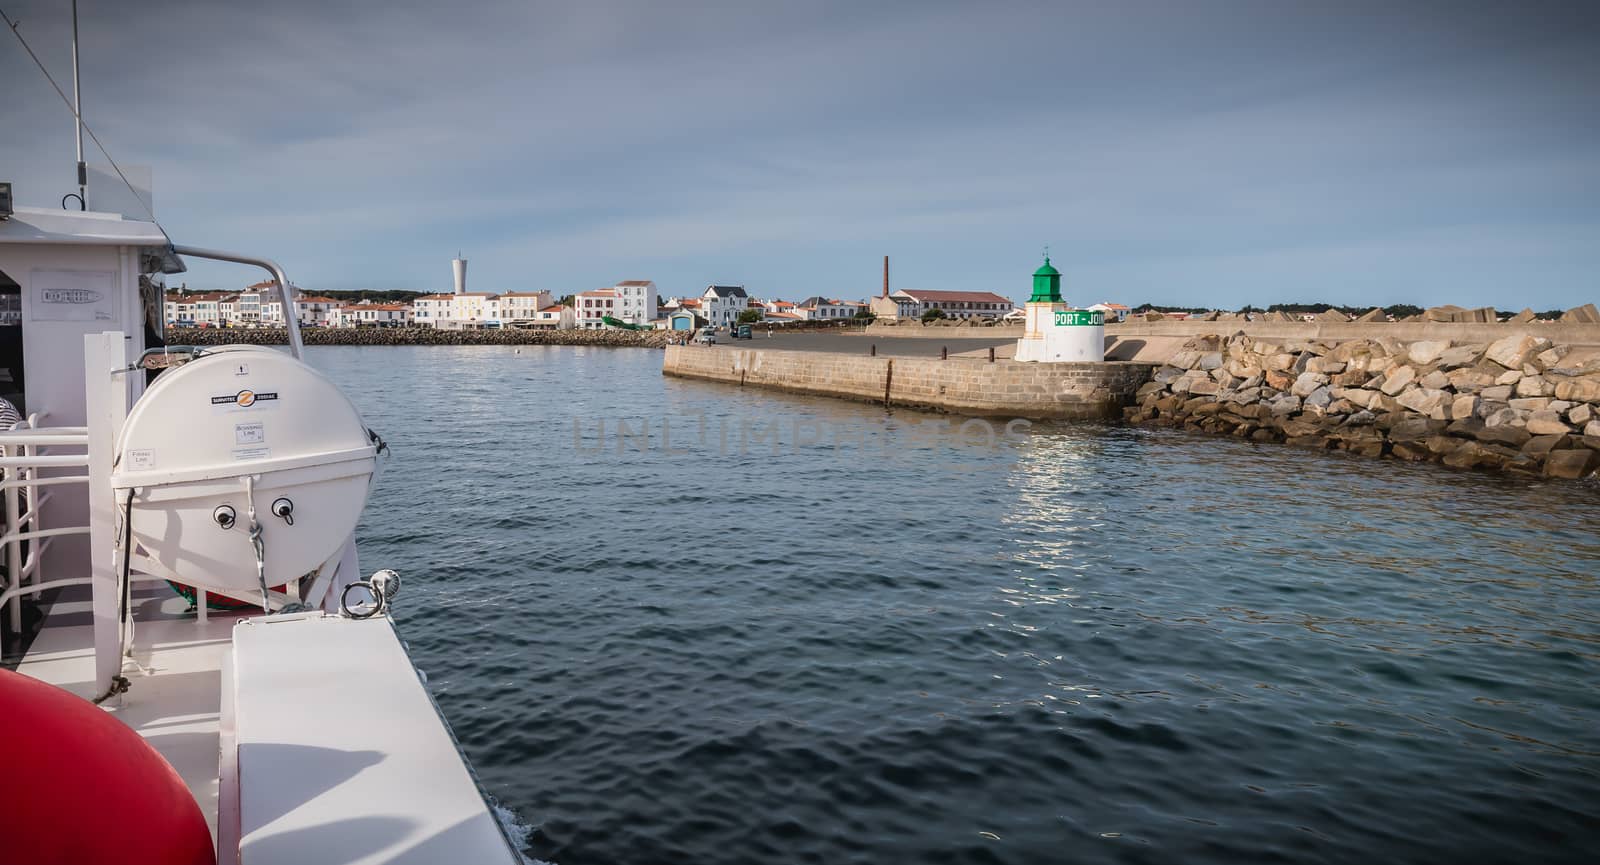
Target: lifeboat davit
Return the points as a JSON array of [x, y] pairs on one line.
[[80, 786]]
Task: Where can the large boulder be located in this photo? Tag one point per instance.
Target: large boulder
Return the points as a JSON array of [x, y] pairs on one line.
[[1464, 407], [1585, 389], [1469, 380], [1436, 380], [1416, 429], [1424, 352], [1571, 464], [1461, 355], [1308, 382], [1350, 348], [1505, 435], [1586, 314], [1284, 404], [1398, 379], [1422, 400], [1547, 423], [1513, 351], [1541, 445], [1534, 385], [1501, 417]]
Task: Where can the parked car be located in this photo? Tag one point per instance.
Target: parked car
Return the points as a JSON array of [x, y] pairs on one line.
[[742, 332], [707, 336]]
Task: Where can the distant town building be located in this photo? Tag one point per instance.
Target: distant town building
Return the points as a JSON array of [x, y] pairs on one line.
[[368, 314], [1113, 311], [309, 310], [594, 306], [249, 303], [516, 309], [823, 309], [431, 309], [636, 301], [556, 317], [891, 308], [954, 304], [179, 308], [721, 304]]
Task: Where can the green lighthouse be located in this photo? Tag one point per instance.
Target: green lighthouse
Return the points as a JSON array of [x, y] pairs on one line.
[[1046, 283]]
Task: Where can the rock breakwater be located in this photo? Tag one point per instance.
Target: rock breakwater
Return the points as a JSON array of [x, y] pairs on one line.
[[418, 336], [1519, 404]]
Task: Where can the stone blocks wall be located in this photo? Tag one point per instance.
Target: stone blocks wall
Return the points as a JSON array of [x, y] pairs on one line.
[[1519, 404]]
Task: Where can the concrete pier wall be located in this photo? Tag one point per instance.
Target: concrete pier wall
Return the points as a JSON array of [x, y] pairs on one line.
[[961, 385]]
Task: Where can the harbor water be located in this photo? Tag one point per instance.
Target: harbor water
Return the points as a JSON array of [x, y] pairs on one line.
[[676, 621]]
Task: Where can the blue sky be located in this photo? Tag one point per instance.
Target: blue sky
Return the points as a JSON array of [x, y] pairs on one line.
[[1214, 152]]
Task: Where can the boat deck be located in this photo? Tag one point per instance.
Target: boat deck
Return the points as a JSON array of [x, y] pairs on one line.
[[175, 697], [318, 724]]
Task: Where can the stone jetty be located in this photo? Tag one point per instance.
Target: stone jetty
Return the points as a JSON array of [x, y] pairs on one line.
[[959, 385], [418, 336], [1518, 404]]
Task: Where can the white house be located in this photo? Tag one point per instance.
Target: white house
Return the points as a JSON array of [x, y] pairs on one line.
[[772, 308], [593, 306], [516, 308], [721, 304], [636, 301], [467, 310], [430, 310], [310, 309], [369, 314], [823, 309], [557, 317], [249, 302], [954, 304], [206, 308], [1113, 311], [180, 308]]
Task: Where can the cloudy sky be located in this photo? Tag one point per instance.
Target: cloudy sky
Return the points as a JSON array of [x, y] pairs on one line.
[[1204, 152]]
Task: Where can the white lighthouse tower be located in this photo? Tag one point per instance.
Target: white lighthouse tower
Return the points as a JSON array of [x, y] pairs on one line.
[[1055, 332], [460, 265]]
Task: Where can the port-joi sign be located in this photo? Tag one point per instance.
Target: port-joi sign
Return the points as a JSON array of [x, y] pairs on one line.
[[1080, 318]]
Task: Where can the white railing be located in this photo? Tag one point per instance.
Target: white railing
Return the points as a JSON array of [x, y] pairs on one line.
[[24, 450]]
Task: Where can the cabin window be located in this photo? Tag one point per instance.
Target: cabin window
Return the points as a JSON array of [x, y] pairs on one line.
[[11, 376]]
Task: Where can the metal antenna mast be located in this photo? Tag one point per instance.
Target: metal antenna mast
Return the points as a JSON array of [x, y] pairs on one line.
[[77, 114]]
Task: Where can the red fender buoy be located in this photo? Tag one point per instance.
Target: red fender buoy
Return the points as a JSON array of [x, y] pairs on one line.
[[80, 786]]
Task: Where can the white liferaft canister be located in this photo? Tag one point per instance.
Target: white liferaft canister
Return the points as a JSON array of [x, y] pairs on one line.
[[243, 411]]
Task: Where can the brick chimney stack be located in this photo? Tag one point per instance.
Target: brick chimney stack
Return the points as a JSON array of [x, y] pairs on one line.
[[886, 276]]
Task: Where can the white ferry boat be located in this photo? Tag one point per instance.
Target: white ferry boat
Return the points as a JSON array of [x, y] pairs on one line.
[[303, 734], [141, 726]]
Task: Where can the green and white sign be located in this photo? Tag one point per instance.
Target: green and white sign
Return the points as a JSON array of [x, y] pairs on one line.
[[1080, 318]]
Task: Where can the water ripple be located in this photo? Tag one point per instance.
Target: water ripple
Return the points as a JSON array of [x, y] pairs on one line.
[[1085, 644]]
